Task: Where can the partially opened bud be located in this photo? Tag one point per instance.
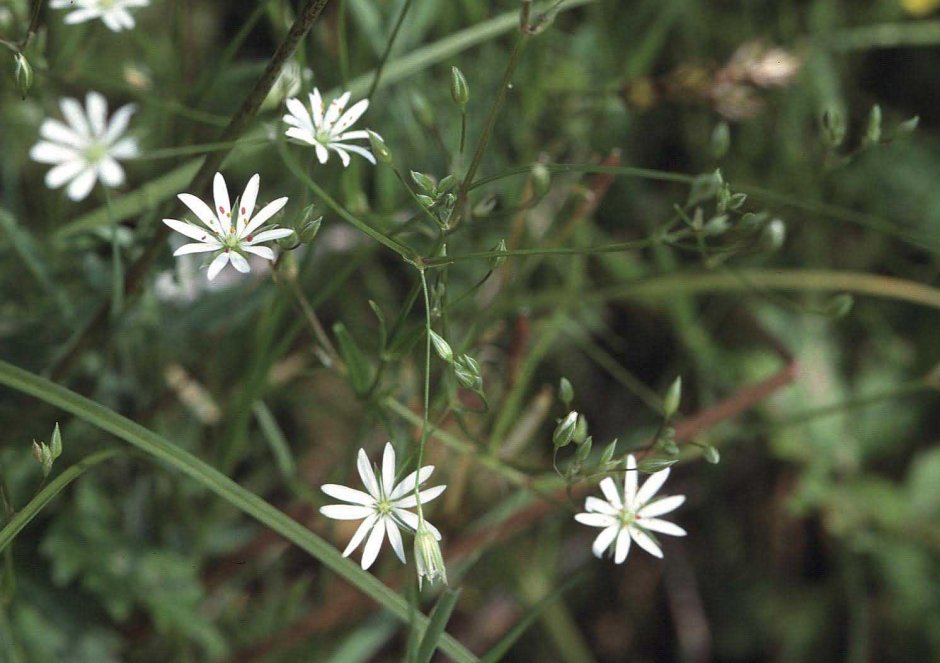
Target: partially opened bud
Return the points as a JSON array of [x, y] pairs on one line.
[[564, 431], [379, 148], [23, 73], [428, 557]]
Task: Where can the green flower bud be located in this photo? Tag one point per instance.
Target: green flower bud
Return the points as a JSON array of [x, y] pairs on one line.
[[428, 558], [425, 182], [56, 445], [467, 370], [459, 90], [584, 450], [833, 128], [608, 454], [773, 235], [673, 398], [37, 451], [580, 430], [565, 391], [379, 148], [442, 347], [720, 140], [653, 465], [541, 179], [309, 225], [873, 130], [23, 73], [712, 455], [564, 431]]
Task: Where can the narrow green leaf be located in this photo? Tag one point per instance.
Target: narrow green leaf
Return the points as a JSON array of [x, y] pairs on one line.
[[502, 647], [275, 439], [360, 372], [438, 621]]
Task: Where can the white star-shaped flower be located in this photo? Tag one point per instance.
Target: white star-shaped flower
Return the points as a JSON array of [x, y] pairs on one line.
[[326, 128], [113, 13], [383, 509], [87, 148], [230, 236], [632, 514]]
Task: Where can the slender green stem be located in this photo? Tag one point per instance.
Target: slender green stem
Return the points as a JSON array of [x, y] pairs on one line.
[[504, 85], [343, 42], [560, 251], [23, 517], [172, 455], [388, 48], [463, 129], [427, 384]]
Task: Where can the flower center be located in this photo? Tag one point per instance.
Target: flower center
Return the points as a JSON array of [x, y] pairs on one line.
[[231, 242], [323, 137], [627, 518], [106, 4], [384, 507], [96, 152]]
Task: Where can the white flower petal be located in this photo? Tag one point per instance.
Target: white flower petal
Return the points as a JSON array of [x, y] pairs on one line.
[[346, 511], [190, 230], [197, 247], [367, 475], [426, 496], [81, 15], [603, 540], [223, 207], [407, 485], [268, 235], [662, 506], [112, 21], [347, 494], [261, 251], [302, 135], [630, 478], [609, 488], [110, 172], [336, 107], [388, 469], [371, 551], [126, 148], [360, 534], [263, 215], [361, 151], [118, 123], [650, 487], [394, 537], [82, 185], [316, 107], [44, 152], [645, 541], [596, 519], [597, 505], [202, 212], [216, 266], [75, 116], [63, 173], [343, 156], [352, 135], [349, 117], [97, 113], [247, 203], [299, 114], [57, 132], [661, 526], [124, 18], [623, 546], [239, 262], [322, 153]]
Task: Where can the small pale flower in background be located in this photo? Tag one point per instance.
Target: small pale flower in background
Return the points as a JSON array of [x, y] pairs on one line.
[[231, 236], [113, 13], [87, 148], [383, 509], [326, 127], [631, 514]]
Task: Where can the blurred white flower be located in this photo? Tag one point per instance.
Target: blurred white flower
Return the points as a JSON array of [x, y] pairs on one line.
[[113, 13], [383, 508], [630, 514], [326, 128], [231, 237], [87, 149]]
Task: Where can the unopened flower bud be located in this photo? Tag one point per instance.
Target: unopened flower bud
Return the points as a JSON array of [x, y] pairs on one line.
[[565, 391], [459, 90], [711, 455], [56, 444], [673, 397], [442, 347], [467, 370], [580, 430], [379, 148], [541, 179], [773, 235], [309, 225], [23, 73], [428, 558], [584, 450], [564, 431]]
